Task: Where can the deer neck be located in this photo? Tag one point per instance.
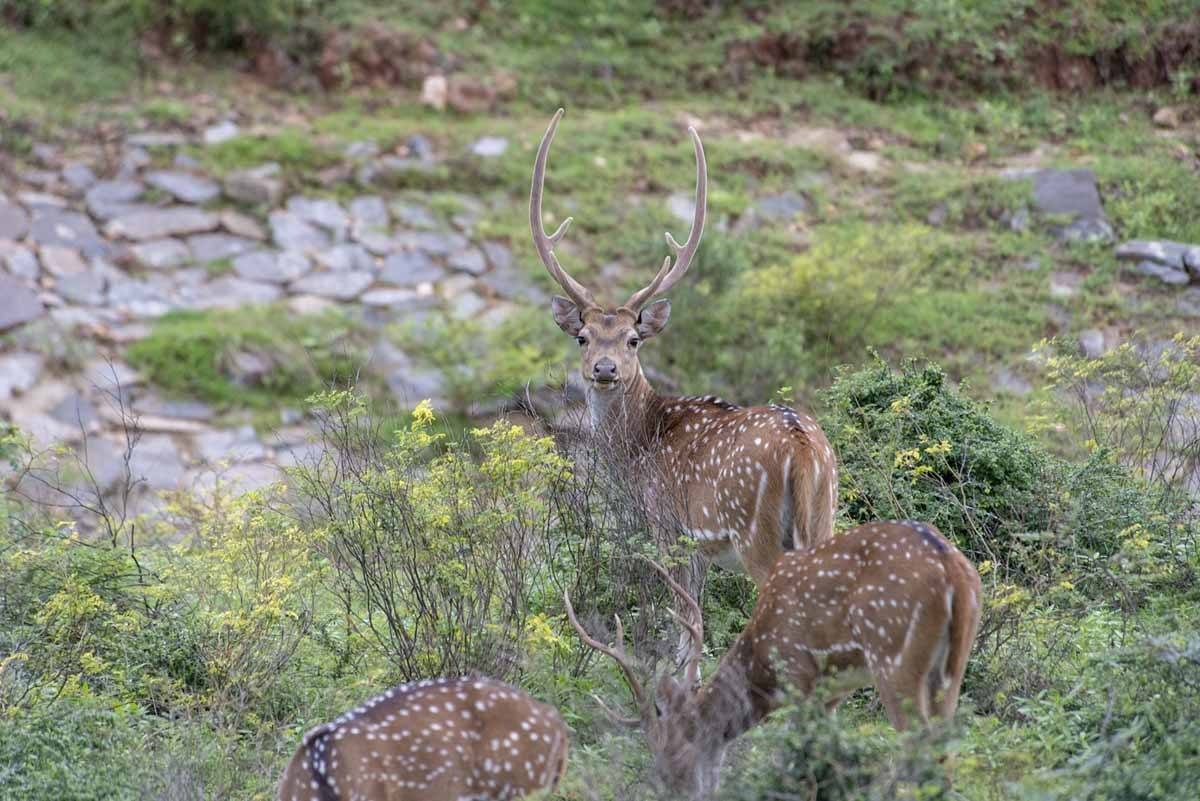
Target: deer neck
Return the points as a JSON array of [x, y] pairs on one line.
[[736, 698], [624, 415]]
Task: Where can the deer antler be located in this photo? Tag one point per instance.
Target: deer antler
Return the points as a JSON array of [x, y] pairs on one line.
[[616, 652], [545, 244], [669, 275], [692, 672]]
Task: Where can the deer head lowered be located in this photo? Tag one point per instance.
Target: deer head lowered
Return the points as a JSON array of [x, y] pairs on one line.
[[434, 740], [889, 604], [746, 483]]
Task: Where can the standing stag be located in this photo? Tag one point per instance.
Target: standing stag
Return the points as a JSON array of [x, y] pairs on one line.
[[889, 604], [435, 740], [745, 483]]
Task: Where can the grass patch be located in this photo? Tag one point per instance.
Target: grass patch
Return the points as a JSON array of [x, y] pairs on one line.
[[259, 358]]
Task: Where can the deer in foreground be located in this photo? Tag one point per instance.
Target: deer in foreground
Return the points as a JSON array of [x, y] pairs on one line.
[[433, 740], [888, 604], [745, 483]]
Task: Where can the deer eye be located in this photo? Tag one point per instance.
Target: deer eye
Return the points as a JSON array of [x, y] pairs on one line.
[[633, 343], [581, 340]]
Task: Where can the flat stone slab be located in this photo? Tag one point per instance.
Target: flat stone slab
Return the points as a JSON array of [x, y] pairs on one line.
[[162, 223], [346, 257], [409, 268], [435, 243], [183, 186], [156, 139], [229, 292], [18, 303], [229, 445], [369, 210], [414, 215], [290, 231], [60, 261], [1168, 275], [85, 288], [156, 462], [271, 266], [214, 247], [14, 220], [322, 212], [259, 185], [1172, 254], [489, 147], [19, 372], [468, 261], [19, 260], [339, 286], [221, 132], [107, 199], [239, 224], [52, 227], [160, 254]]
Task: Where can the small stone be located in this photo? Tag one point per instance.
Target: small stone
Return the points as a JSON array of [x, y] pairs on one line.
[[160, 254], [1091, 343], [1191, 260], [681, 206], [375, 240], [239, 224], [156, 139], [498, 255], [1005, 380], [389, 170], [132, 160], [489, 147], [108, 199], [186, 162], [231, 292], [55, 227], [289, 231], [864, 161], [221, 132], [214, 247], [466, 305], [231, 445], [19, 260], [14, 220], [469, 261], [1168, 275], [1064, 285], [156, 461], [327, 214], [1020, 220], [45, 153], [42, 200], [182, 409], [395, 298], [62, 261], [937, 215], [419, 147], [361, 150], [782, 207], [75, 410], [85, 288], [18, 303], [259, 185], [409, 268], [19, 372], [369, 210], [271, 266], [413, 215], [309, 304], [436, 243], [434, 91], [1166, 117], [78, 176], [184, 187], [1161, 251], [1188, 302], [141, 299], [338, 286], [345, 257], [411, 385], [161, 223]]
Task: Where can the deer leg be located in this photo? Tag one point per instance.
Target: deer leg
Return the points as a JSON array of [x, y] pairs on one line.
[[695, 571]]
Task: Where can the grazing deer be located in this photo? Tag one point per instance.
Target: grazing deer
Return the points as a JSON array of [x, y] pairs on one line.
[[745, 483], [434, 740], [889, 604]]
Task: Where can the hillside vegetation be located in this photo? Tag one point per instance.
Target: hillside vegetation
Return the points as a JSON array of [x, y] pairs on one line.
[[879, 250]]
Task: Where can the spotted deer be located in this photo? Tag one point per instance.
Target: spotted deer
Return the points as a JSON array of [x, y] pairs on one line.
[[889, 604], [745, 482], [434, 740]]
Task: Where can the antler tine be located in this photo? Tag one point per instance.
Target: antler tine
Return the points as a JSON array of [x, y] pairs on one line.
[[695, 629], [616, 653], [669, 275], [545, 244]]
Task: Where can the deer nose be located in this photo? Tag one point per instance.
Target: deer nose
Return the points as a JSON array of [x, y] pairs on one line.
[[605, 370]]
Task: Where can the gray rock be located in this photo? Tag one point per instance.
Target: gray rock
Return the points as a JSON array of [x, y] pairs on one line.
[[75, 410], [514, 284], [18, 303], [186, 162], [1158, 251], [1064, 285], [181, 409], [498, 255], [42, 200], [466, 305], [162, 223], [369, 210], [780, 207], [14, 220], [1168, 275], [183, 186], [436, 243], [160, 254], [45, 153], [61, 261], [214, 247], [414, 215], [239, 224], [1086, 230], [70, 229], [19, 372], [375, 240], [19, 260], [346, 257], [420, 147], [338, 286], [1091, 343], [291, 232], [396, 298], [322, 212], [156, 139], [229, 292], [1005, 380], [85, 288], [361, 150], [409, 268], [682, 206], [141, 299], [132, 160], [105, 461], [1021, 220], [271, 266], [78, 176], [389, 170], [1191, 260], [46, 179], [489, 147], [230, 445], [260, 185], [1188, 302], [1071, 194], [221, 132], [233, 480], [157, 463], [109, 199], [468, 261], [411, 385]]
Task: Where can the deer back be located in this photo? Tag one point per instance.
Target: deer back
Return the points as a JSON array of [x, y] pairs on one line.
[[432, 740]]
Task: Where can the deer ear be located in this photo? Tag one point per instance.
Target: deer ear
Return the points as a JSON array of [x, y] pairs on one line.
[[566, 314], [653, 319]]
